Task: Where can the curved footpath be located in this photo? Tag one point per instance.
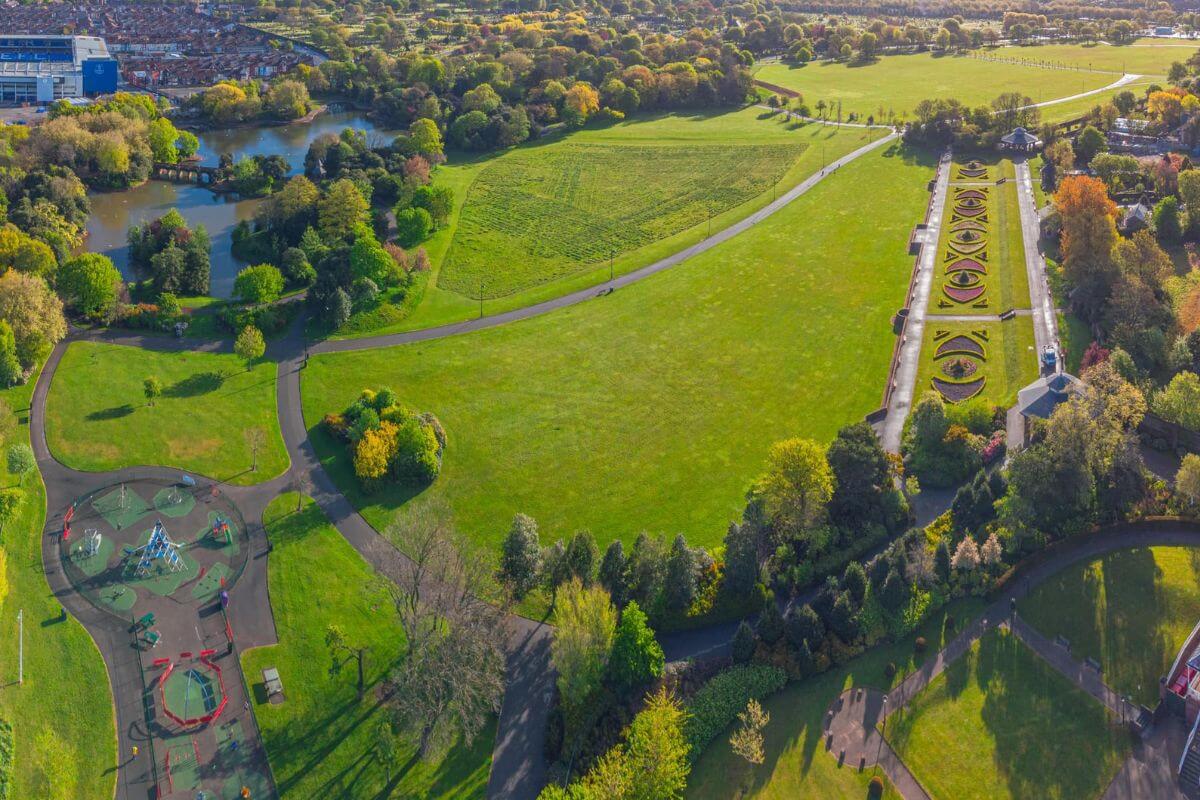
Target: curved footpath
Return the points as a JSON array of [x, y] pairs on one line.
[[518, 768]]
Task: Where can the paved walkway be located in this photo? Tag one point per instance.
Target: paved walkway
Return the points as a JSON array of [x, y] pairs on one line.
[[910, 348], [1117, 84], [1045, 319], [852, 717]]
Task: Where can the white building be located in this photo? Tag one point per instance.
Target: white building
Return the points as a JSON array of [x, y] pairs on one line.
[[42, 69]]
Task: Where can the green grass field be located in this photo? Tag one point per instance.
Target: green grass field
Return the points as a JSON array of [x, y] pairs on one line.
[[895, 84], [472, 226], [62, 716], [97, 417], [538, 215], [1011, 358], [1143, 57], [321, 740], [653, 408], [797, 764], [1001, 723], [1072, 109], [1131, 610]]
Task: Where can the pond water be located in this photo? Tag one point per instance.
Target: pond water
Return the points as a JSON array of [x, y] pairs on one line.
[[114, 212]]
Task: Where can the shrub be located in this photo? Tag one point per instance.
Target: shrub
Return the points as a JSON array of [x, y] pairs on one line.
[[417, 458], [6, 760], [920, 644], [717, 704], [743, 643], [875, 788], [262, 283]]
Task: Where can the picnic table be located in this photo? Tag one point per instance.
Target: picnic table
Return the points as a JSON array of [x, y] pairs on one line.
[[146, 621]]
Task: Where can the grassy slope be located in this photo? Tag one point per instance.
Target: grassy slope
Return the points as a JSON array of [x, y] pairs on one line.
[[1144, 57], [1011, 357], [797, 764], [898, 83], [653, 408], [1131, 610], [1072, 109], [321, 740], [1002, 723], [751, 125], [62, 716], [97, 417]]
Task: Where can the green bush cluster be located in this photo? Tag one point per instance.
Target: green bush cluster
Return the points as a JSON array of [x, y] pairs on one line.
[[6, 760], [718, 703], [389, 441]]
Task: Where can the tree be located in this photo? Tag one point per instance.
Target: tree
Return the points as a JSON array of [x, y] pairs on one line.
[[1089, 237], [860, 472], [1088, 144], [991, 552], [854, 579], [647, 566], [369, 260], [844, 620], [1179, 401], [741, 556], [336, 641], [340, 211], [249, 345], [161, 135], [187, 144], [583, 637], [612, 572], [580, 556], [90, 284], [798, 482], [10, 365], [966, 555], [747, 740], [743, 643], [1167, 225], [34, 312], [803, 625], [426, 139], [413, 226], [658, 750], [770, 624], [1061, 154], [894, 593], [521, 557], [152, 388], [21, 461], [256, 440], [579, 103], [942, 560], [288, 100], [1187, 479], [449, 684], [636, 657], [262, 283], [679, 583]]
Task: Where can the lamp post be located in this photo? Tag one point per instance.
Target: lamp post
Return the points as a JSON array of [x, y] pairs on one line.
[[879, 749], [20, 646]]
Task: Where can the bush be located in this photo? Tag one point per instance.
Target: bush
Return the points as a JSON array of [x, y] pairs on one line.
[[921, 644], [417, 458], [6, 760], [719, 701], [875, 788], [889, 671], [743, 643], [262, 283]]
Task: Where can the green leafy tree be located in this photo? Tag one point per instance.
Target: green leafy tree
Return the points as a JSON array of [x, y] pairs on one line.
[[187, 144], [612, 572], [1179, 401], [369, 260], [583, 636], [340, 211], [679, 584], [10, 366], [162, 136], [797, 484], [21, 461], [249, 345], [855, 581], [1088, 144], [1167, 225], [770, 624], [581, 556], [425, 138], [521, 557], [261, 283], [658, 749], [90, 284], [152, 389], [860, 473], [636, 657], [413, 226], [803, 625], [742, 649]]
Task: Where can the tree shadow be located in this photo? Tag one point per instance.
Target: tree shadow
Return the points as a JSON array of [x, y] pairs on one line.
[[116, 412], [195, 385]]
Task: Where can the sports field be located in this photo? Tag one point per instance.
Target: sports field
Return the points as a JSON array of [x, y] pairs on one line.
[[542, 220], [1001, 723], [630, 412], [895, 84], [65, 738], [797, 764], [1131, 610], [97, 417], [322, 741]]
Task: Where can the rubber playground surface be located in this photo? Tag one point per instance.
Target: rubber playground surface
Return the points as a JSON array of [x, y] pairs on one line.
[[131, 542]]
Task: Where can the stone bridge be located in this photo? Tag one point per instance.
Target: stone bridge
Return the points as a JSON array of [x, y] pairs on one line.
[[184, 173]]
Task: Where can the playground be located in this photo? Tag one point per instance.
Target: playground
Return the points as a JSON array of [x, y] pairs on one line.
[[130, 543], [162, 556]]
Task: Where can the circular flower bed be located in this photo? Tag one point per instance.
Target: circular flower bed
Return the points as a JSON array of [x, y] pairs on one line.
[[959, 368]]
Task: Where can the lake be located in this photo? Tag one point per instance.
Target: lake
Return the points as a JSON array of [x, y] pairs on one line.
[[114, 212]]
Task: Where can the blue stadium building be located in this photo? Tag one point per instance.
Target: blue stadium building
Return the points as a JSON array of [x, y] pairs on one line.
[[42, 69]]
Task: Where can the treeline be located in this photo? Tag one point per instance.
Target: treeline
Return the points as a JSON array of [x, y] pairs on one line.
[[244, 101]]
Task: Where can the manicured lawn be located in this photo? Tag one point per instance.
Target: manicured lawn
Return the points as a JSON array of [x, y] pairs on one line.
[[895, 84], [592, 170], [997, 231], [62, 716], [97, 417], [1071, 109], [1144, 57], [1010, 362], [1131, 610], [653, 408], [797, 764], [321, 741], [1075, 336], [1002, 723]]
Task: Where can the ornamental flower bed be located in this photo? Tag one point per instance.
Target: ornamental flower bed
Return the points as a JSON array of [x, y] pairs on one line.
[[966, 257], [958, 358]]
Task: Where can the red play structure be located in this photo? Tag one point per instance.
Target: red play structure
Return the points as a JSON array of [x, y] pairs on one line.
[[193, 721]]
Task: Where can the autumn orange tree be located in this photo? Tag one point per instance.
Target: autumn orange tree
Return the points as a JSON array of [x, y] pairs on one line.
[[1089, 238]]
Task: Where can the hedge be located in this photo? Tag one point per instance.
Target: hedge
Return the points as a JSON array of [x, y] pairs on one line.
[[719, 701], [6, 760]]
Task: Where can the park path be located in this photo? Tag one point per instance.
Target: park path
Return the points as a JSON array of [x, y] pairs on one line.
[[1045, 320], [851, 735], [1117, 84], [574, 298], [909, 355]]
